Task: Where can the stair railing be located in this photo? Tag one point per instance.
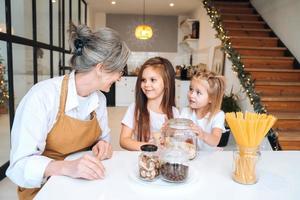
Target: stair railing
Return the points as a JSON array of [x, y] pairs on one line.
[[238, 67]]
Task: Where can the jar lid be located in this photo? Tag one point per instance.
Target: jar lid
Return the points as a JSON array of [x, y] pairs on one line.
[[180, 123], [149, 147]]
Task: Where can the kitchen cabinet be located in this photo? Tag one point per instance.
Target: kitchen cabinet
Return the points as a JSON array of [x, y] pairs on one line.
[[125, 90]]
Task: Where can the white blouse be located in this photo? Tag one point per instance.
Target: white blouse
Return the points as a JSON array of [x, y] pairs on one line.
[[34, 118], [156, 119], [217, 121]]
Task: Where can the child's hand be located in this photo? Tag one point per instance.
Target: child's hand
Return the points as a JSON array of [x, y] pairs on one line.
[[198, 130], [164, 126]]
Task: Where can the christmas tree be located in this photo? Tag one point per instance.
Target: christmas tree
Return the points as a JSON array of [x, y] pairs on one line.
[[3, 89]]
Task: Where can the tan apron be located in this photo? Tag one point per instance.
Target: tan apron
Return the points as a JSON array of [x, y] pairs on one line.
[[67, 136]]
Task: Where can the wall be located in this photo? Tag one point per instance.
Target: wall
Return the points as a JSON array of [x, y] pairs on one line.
[[136, 59], [101, 20], [233, 83], [284, 18], [163, 39], [90, 17], [207, 40]]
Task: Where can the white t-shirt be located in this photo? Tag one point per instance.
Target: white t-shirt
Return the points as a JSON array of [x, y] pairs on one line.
[[156, 119], [207, 125], [35, 117]]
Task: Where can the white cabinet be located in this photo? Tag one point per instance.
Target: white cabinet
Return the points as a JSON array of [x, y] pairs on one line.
[[125, 91], [181, 91]]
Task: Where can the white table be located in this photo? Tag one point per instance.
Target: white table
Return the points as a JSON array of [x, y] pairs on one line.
[[279, 178]]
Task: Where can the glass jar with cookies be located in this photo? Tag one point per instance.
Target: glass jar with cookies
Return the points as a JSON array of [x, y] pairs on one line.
[[178, 134]]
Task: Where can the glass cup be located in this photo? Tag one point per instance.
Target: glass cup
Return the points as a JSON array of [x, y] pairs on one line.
[[245, 165]]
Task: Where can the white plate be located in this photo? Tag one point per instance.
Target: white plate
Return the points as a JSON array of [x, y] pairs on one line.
[[159, 182]]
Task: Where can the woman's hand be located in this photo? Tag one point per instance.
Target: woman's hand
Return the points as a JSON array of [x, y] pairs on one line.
[[87, 167], [102, 150]]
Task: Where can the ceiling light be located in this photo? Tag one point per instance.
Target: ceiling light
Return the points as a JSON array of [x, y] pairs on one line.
[[113, 2], [53, 1], [143, 31], [171, 4]]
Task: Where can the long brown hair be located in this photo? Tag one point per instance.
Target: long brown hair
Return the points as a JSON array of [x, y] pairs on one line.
[[215, 90], [141, 113]]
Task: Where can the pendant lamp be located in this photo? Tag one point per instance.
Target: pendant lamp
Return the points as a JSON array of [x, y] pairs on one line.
[[143, 31]]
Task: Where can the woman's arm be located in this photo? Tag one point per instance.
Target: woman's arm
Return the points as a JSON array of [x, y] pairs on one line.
[[126, 140], [28, 136]]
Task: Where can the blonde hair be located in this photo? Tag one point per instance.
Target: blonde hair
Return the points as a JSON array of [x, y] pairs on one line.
[[215, 89]]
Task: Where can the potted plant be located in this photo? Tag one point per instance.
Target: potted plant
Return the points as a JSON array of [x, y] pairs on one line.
[[229, 104]]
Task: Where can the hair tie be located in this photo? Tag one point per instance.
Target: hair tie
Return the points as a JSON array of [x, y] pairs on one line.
[[79, 44]]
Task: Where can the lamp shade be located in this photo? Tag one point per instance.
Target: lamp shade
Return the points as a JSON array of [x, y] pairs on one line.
[[143, 32]]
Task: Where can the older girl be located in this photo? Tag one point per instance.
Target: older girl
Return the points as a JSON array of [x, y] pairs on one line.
[[154, 103]]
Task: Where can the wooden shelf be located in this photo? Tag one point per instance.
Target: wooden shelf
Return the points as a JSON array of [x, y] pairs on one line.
[[187, 21], [188, 43], [186, 26], [190, 39]]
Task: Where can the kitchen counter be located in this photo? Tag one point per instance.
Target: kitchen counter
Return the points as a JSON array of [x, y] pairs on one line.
[[210, 178]]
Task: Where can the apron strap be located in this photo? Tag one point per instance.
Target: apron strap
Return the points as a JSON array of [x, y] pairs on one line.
[[63, 94]]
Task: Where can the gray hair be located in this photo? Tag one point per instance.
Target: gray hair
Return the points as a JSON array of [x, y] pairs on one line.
[[103, 46]]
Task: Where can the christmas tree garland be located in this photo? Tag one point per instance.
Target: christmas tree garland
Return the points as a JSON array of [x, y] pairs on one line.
[[244, 77], [3, 88]]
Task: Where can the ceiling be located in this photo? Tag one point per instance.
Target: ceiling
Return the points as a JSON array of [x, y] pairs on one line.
[[153, 7]]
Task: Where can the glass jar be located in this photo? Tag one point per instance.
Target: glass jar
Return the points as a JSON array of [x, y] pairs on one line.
[[174, 165], [149, 162], [244, 165], [178, 134]]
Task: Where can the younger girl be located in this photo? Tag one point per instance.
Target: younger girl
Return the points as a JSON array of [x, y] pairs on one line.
[[205, 97], [154, 103]]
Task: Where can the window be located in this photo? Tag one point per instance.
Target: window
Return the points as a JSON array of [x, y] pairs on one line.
[[39, 51], [42, 21], [21, 18]]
